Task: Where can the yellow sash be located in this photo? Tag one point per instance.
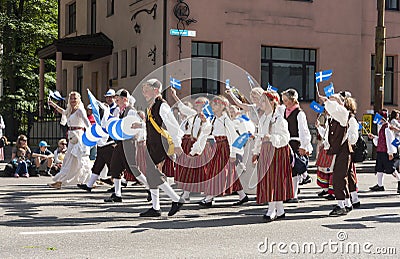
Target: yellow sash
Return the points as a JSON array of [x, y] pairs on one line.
[[163, 132]]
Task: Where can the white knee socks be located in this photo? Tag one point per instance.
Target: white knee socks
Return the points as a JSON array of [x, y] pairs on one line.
[[279, 208], [169, 191], [271, 209], [92, 180], [155, 198], [242, 194], [141, 178], [380, 178], [295, 185], [117, 186], [354, 197]]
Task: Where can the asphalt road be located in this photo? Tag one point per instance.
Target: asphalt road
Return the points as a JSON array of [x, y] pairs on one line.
[[39, 222]]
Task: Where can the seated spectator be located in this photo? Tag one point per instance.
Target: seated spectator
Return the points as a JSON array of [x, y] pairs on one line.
[[22, 142], [43, 158], [20, 163], [59, 154]]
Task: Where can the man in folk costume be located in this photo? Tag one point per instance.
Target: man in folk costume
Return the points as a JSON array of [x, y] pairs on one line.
[[342, 133], [120, 160], [159, 116], [300, 137]]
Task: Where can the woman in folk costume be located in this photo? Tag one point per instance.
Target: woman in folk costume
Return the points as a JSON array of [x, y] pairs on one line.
[[76, 166], [324, 162], [250, 108], [342, 133], [300, 137], [190, 170], [272, 154], [221, 172], [384, 153]]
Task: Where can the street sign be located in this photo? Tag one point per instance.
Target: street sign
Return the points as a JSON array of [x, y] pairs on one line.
[[183, 33]]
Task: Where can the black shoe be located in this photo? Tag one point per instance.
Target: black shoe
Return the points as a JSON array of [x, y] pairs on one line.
[[244, 200], [124, 184], [323, 193], [298, 191], [330, 197], [398, 187], [175, 207], [377, 188], [148, 195], [293, 200], [348, 209], [111, 189], [306, 180], [107, 181], [151, 213], [337, 211], [356, 205], [84, 187], [269, 218], [205, 204], [113, 198], [281, 216]]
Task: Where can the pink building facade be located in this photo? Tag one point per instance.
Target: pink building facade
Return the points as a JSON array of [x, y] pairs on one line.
[[281, 42]]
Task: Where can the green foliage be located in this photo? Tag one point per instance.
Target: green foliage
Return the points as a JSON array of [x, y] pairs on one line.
[[25, 27]]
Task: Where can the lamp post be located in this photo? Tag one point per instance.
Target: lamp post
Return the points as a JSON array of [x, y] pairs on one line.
[[380, 34]]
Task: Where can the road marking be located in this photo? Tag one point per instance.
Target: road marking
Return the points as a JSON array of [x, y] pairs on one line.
[[74, 231]]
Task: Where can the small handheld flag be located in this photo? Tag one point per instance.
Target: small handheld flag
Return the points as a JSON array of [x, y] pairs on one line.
[[323, 75], [241, 140], [271, 88], [175, 83], [317, 107], [377, 119], [396, 142], [56, 95], [251, 82], [228, 84], [207, 111], [329, 90], [95, 107], [243, 117]]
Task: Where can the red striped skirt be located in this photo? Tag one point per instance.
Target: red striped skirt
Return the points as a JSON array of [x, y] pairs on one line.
[[169, 167], [189, 174], [324, 160], [274, 173], [141, 156], [129, 177], [221, 173]]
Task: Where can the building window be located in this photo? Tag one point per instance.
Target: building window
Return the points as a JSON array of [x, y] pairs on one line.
[[392, 5], [71, 18], [289, 68], [133, 61], [205, 67], [93, 17], [79, 79], [388, 84], [124, 61], [115, 66], [110, 7]]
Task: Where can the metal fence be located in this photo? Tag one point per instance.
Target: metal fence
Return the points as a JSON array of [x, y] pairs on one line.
[[25, 119]]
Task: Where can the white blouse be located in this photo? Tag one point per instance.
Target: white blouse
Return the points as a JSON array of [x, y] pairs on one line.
[[223, 126], [276, 127]]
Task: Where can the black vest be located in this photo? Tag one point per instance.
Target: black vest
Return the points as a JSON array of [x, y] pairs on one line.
[[293, 127], [156, 144]]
